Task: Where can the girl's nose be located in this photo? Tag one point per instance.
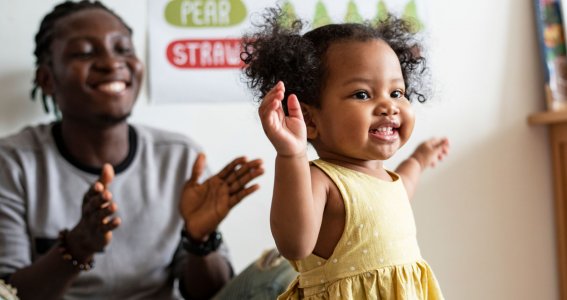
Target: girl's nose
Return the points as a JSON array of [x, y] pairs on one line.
[[387, 108]]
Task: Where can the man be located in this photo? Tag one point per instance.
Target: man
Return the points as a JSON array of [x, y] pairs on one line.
[[92, 207]]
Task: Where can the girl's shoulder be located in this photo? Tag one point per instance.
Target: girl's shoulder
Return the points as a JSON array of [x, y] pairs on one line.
[[323, 181]]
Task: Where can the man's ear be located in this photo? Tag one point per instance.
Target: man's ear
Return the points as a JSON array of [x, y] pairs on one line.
[[309, 113], [44, 80]]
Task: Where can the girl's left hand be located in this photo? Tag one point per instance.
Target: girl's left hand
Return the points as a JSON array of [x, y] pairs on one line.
[[430, 152]]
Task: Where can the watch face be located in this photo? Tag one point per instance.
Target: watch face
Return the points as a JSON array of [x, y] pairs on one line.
[[201, 248]]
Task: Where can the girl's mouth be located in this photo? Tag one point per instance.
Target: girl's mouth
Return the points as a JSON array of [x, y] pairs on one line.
[[386, 133]]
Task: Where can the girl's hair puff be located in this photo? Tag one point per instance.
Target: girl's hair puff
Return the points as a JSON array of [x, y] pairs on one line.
[[278, 52]]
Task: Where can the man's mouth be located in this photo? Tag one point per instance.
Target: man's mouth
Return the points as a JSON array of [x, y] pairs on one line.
[[112, 87]]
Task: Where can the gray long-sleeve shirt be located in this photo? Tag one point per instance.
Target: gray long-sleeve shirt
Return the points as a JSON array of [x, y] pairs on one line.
[[41, 191]]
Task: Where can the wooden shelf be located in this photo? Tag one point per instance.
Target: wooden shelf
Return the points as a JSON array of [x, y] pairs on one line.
[[548, 117], [556, 121]]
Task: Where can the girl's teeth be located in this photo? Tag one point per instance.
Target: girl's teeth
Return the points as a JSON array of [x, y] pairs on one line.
[[383, 130]]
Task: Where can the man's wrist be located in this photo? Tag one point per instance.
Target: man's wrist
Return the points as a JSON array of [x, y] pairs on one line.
[[82, 262], [76, 247], [200, 247]]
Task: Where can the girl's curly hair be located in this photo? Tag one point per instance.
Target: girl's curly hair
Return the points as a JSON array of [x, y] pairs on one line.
[[277, 51]]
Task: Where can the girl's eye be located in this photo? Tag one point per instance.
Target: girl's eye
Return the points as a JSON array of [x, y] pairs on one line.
[[397, 94], [362, 95]]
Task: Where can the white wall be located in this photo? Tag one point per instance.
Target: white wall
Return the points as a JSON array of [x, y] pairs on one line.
[[485, 216]]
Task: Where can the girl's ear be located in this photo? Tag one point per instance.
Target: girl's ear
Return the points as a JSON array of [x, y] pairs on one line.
[[44, 79], [308, 117]]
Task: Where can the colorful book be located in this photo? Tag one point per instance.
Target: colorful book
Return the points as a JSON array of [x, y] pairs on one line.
[[549, 21]]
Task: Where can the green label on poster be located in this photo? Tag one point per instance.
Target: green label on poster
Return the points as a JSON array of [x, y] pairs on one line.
[[381, 12], [352, 14], [410, 14], [321, 17], [205, 13], [288, 14]]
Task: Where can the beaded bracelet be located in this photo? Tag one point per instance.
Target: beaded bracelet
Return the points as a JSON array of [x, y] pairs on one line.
[[68, 257]]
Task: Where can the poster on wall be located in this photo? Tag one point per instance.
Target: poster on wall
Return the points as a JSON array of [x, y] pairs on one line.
[[194, 45]]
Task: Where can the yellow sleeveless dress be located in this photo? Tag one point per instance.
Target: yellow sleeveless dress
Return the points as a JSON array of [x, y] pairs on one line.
[[377, 257]]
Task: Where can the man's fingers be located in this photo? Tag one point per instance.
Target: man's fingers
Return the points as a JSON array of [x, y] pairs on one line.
[[244, 175], [198, 168], [106, 210], [236, 198], [110, 224], [95, 189], [231, 167], [244, 168], [97, 201], [106, 175]]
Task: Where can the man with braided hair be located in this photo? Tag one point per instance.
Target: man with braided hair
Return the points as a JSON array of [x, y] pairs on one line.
[[92, 207]]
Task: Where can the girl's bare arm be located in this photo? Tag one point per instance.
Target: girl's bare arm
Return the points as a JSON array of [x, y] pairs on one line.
[[427, 154], [296, 213]]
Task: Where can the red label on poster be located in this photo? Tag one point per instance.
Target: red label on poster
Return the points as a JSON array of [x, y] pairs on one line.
[[205, 54]]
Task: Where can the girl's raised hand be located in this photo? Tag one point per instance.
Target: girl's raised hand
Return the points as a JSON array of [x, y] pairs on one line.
[[430, 152], [288, 134]]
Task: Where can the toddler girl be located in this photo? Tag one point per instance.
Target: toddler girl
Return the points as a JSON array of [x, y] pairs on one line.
[[343, 220]]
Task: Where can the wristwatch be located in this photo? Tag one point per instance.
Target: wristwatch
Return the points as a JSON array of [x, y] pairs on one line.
[[201, 248]]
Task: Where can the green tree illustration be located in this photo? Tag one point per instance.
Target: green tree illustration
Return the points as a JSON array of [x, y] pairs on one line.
[[352, 14], [410, 14], [321, 17], [288, 14], [381, 12]]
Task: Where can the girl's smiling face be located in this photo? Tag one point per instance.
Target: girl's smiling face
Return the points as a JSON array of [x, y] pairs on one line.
[[364, 114]]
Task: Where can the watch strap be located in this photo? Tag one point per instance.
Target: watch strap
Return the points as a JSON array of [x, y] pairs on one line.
[[201, 248]]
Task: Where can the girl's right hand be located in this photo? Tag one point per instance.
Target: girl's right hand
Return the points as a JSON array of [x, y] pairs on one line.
[[430, 152], [94, 230], [288, 134]]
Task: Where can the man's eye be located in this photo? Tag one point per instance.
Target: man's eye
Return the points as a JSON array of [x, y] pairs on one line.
[[397, 94], [124, 50], [361, 95], [82, 54]]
